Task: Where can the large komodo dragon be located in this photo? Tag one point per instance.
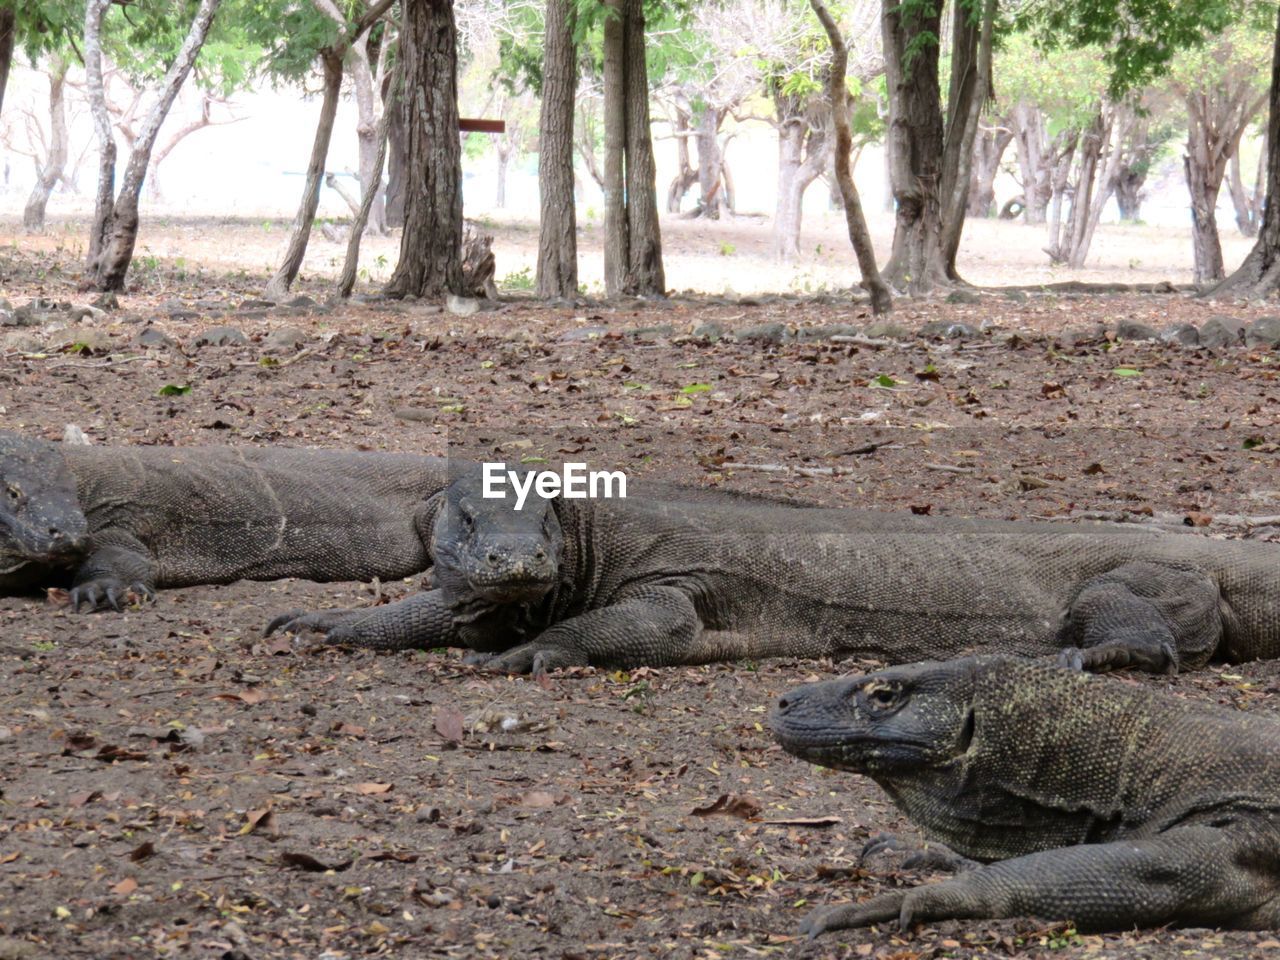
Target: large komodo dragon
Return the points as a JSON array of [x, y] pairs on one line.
[[109, 520], [629, 583], [1104, 804]]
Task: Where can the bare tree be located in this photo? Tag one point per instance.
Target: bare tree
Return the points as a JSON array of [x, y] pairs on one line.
[[51, 170], [115, 228], [557, 226], [1248, 200]]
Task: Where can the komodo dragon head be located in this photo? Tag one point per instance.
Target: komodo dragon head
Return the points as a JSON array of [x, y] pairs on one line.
[[487, 551], [41, 523], [886, 724]]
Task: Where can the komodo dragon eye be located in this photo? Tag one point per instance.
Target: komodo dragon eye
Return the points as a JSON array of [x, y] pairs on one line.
[[879, 696]]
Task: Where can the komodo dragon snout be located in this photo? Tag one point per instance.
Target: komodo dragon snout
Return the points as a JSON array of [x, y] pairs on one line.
[[902, 718], [40, 517], [488, 549]]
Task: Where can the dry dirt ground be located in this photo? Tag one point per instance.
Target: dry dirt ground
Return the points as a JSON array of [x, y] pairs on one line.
[[175, 786]]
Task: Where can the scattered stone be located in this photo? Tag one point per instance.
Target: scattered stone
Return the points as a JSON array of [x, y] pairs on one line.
[[653, 332], [887, 329], [107, 301], [76, 437], [1263, 332], [90, 338], [1017, 296], [156, 339], [1185, 334], [302, 300], [177, 310], [35, 313], [711, 330], [220, 337], [255, 305], [582, 333], [764, 333], [948, 330], [22, 341], [1079, 336], [828, 330], [1132, 330], [1221, 331], [462, 306], [284, 340], [366, 298], [963, 296]]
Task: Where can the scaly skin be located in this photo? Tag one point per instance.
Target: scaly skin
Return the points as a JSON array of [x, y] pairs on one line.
[[141, 519], [648, 583], [1090, 801]]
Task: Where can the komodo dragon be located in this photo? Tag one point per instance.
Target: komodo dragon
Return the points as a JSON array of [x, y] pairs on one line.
[[628, 583], [1105, 804], [109, 520]]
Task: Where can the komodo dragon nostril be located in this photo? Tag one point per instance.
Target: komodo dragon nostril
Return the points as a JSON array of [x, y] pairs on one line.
[[784, 704], [493, 558]]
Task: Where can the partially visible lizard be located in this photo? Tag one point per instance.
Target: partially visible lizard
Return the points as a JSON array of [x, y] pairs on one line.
[[1089, 800]]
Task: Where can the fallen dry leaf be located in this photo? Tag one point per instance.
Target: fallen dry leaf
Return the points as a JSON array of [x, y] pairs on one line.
[[732, 805], [372, 788]]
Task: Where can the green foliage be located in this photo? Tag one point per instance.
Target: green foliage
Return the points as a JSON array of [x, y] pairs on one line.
[[1136, 38], [1067, 84]]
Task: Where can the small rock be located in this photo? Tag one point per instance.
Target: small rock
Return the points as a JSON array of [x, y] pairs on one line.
[[1080, 336], [107, 301], [284, 339], [21, 341], [651, 332], [1221, 331], [963, 296], [220, 337], [828, 330], [945, 330], [462, 306], [252, 304], [156, 339], [711, 330], [1132, 330], [74, 436], [302, 300], [96, 341], [177, 310], [582, 333], [35, 313], [1017, 296], [890, 329], [764, 333], [1185, 334], [1263, 332]]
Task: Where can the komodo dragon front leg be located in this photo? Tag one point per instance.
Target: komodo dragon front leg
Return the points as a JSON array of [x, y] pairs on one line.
[[1151, 616], [653, 626], [1196, 875], [118, 564]]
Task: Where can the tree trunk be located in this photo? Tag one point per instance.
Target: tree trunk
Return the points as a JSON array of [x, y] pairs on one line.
[[95, 91], [431, 246], [856, 222], [7, 30], [988, 153], [367, 139], [916, 138], [56, 161], [709, 160], [968, 92], [1259, 275], [121, 230], [557, 226], [803, 152], [393, 105], [282, 281], [1248, 209], [350, 265], [686, 176], [1129, 194], [617, 245], [1205, 242], [1035, 167], [645, 274]]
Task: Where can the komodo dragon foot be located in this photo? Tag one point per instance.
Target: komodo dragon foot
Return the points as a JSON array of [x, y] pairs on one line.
[[108, 592], [927, 857]]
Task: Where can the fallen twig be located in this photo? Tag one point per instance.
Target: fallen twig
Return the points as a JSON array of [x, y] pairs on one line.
[[788, 468], [861, 340], [949, 468]]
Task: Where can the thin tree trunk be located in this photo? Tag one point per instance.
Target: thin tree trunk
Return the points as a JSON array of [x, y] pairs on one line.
[[1244, 201], [645, 274], [393, 105], [7, 31], [686, 176], [122, 231], [803, 153], [557, 226], [430, 262], [347, 281], [105, 196], [280, 283], [1259, 274], [368, 140], [504, 159], [988, 153], [56, 161], [970, 89], [617, 245], [859, 235], [1037, 173], [1122, 119]]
